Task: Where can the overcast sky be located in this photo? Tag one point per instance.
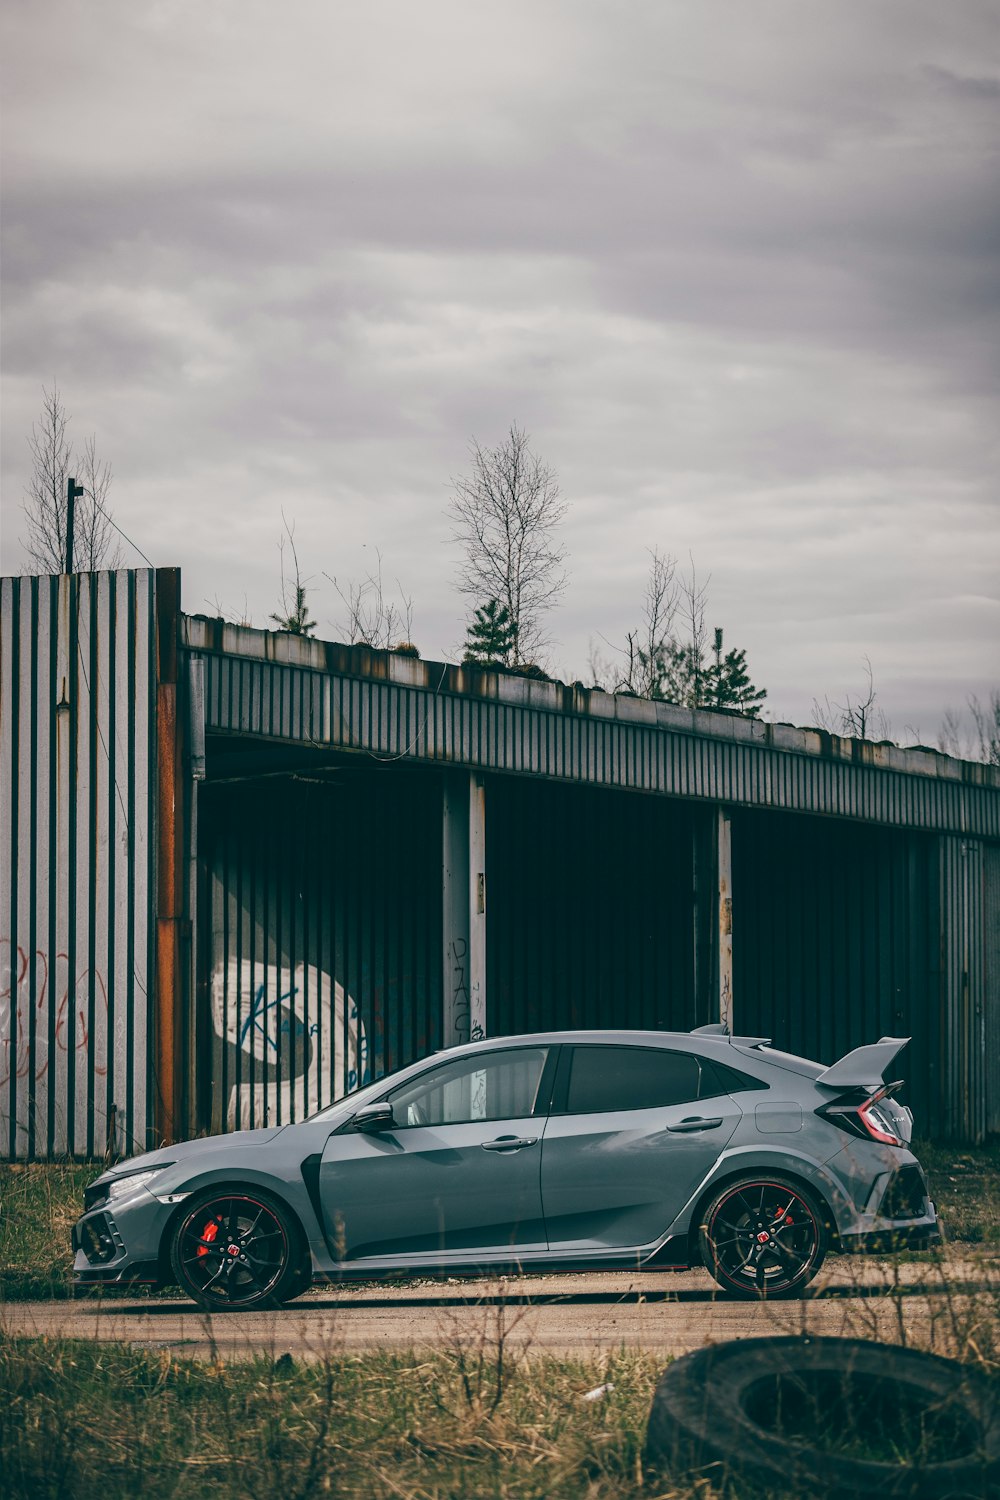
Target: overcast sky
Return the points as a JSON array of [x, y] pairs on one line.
[[734, 267]]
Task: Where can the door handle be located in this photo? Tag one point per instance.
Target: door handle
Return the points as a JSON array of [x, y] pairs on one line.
[[509, 1142], [685, 1126]]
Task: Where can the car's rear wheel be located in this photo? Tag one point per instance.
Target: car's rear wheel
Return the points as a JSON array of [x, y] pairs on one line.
[[763, 1236], [236, 1250]]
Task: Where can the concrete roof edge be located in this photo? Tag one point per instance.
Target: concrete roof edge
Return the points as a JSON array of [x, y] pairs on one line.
[[200, 633]]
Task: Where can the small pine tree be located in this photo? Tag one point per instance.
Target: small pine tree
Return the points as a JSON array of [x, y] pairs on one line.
[[728, 682], [297, 621], [491, 637]]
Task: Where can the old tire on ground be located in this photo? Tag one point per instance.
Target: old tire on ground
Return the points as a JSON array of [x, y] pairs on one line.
[[836, 1418], [763, 1235], [237, 1249]]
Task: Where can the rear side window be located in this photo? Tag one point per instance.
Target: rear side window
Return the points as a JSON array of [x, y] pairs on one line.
[[718, 1078], [602, 1079]]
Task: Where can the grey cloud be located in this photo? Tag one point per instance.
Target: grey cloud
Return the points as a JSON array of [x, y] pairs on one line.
[[735, 268]]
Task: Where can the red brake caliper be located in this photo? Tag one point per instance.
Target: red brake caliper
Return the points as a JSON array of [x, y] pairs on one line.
[[209, 1232]]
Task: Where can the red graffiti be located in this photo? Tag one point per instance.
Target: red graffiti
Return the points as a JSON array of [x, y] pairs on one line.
[[17, 1006]]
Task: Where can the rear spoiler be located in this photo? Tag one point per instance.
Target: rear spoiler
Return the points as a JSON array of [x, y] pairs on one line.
[[863, 1068]]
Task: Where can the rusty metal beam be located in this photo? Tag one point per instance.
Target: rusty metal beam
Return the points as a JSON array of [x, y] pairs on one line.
[[171, 864]]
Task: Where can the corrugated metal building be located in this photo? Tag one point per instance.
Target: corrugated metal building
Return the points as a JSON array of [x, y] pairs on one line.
[[243, 871]]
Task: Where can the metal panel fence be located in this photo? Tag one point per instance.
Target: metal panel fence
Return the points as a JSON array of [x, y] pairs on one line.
[[991, 922], [834, 944], [963, 988], [323, 939], [590, 910], [77, 783]]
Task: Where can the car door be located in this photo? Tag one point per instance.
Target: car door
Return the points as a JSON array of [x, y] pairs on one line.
[[457, 1176], [631, 1134]]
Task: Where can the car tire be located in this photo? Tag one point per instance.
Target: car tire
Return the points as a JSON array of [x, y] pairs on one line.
[[763, 1235], [238, 1249], [757, 1407]]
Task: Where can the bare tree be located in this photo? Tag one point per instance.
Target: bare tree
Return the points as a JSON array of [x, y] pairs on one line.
[[372, 617], [294, 615], [685, 668], [975, 738], [505, 514], [45, 503], [241, 617], [642, 665], [646, 647], [660, 660], [987, 721], [858, 718]]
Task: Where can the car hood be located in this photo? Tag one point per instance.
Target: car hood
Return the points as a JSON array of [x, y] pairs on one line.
[[169, 1155]]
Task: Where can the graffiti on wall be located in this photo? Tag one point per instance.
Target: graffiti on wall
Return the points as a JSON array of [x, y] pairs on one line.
[[292, 1037], [54, 999], [465, 1025]]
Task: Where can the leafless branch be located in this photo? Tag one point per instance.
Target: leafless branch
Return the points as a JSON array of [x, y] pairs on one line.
[[372, 618], [294, 614], [45, 504], [976, 737], [504, 515], [858, 718]]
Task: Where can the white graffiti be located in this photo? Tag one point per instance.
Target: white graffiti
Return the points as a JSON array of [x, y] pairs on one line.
[[295, 1037]]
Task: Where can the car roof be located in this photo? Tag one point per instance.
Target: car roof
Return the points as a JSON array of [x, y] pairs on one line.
[[686, 1040]]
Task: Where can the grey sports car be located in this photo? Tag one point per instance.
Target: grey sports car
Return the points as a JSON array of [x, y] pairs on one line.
[[557, 1151]]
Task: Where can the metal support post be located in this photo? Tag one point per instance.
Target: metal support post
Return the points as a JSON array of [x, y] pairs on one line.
[[725, 869], [464, 908]]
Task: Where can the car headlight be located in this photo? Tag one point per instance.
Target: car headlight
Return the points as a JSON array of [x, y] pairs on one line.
[[122, 1187]]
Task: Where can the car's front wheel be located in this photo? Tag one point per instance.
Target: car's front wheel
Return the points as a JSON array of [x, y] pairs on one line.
[[236, 1250], [763, 1237]]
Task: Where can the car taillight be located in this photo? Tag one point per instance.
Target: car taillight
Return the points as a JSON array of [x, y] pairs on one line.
[[877, 1122], [865, 1115]]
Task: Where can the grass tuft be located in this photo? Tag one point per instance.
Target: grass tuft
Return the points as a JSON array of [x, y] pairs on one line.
[[82, 1419]]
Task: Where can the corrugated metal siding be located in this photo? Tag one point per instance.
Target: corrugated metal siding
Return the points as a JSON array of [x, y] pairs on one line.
[[77, 779], [833, 943], [299, 704], [325, 936], [991, 920], [963, 988], [589, 910]]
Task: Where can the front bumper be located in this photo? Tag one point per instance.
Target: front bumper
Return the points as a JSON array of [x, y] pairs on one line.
[[88, 1278], [118, 1244]]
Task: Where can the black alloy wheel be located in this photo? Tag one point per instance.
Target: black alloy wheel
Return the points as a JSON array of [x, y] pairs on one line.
[[234, 1251], [763, 1237]]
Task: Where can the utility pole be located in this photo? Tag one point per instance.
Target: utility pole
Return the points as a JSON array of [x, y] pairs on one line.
[[74, 492]]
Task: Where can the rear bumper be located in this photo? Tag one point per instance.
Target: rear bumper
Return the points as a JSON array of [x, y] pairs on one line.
[[924, 1235]]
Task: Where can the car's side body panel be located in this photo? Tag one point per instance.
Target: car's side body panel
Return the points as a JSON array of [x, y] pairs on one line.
[[617, 1181], [414, 1193]]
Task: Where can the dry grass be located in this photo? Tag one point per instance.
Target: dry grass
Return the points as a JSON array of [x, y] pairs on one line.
[[965, 1185], [39, 1204], [90, 1420], [475, 1419]]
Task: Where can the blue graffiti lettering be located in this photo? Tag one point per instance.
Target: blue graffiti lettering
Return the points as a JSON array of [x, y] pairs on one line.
[[255, 1020]]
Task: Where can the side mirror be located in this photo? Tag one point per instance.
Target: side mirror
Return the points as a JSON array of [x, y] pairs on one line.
[[373, 1118]]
